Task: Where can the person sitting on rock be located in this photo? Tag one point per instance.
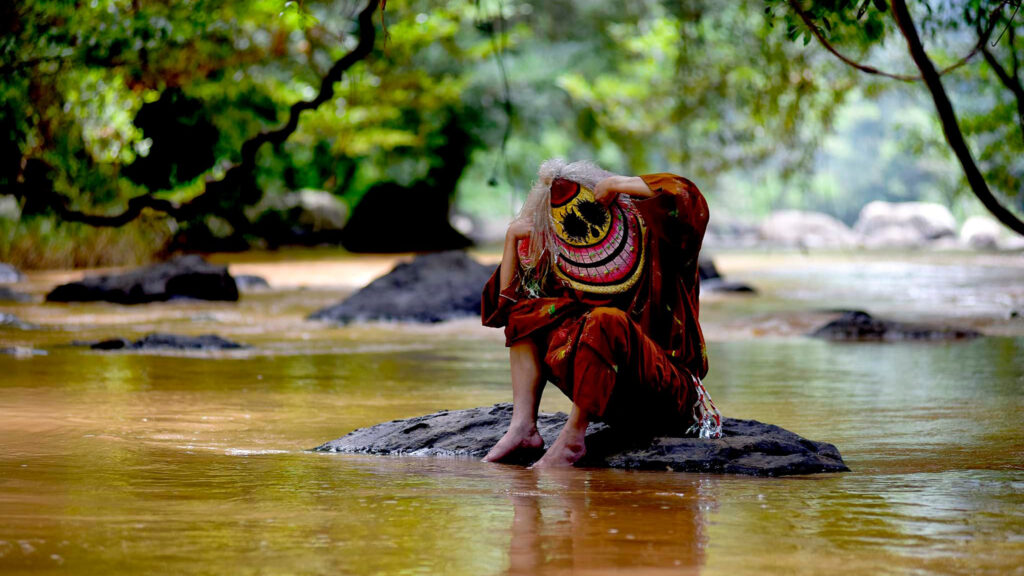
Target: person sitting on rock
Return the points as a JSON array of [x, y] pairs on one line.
[[597, 291]]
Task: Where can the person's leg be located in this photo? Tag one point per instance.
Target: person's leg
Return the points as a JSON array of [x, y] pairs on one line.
[[569, 447], [623, 378], [527, 385]]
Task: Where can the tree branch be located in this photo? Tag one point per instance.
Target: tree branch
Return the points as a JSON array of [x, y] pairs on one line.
[[982, 39], [950, 127], [238, 175], [1012, 83]]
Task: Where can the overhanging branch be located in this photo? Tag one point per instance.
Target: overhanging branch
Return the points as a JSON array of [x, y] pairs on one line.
[[950, 126], [237, 174], [982, 38]]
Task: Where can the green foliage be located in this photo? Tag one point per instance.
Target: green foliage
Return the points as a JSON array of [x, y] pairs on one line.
[[723, 92], [990, 109]]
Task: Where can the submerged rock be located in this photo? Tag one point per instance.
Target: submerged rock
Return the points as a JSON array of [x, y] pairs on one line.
[[431, 288], [21, 352], [712, 281], [166, 341], [183, 277], [251, 283], [861, 326], [9, 274], [748, 447], [12, 321], [8, 295]]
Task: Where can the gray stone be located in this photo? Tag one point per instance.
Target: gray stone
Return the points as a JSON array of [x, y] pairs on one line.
[[8, 295], [800, 229], [165, 341], [432, 288], [9, 274], [903, 224], [12, 321], [856, 325], [747, 447], [183, 277], [22, 352], [981, 233], [251, 283], [10, 209]]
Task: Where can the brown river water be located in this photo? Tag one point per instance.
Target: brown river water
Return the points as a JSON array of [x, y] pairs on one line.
[[129, 463]]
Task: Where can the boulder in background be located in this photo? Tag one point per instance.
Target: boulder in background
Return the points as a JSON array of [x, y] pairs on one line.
[[800, 229], [903, 224]]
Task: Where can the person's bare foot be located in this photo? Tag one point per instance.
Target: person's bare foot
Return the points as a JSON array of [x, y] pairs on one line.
[[567, 450], [518, 437]]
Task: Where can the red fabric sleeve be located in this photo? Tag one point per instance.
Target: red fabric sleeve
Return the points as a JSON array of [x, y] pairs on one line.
[[678, 213], [668, 304], [521, 316], [496, 303]]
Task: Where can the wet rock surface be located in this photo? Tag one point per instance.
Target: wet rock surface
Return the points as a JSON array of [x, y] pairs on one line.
[[12, 321], [9, 295], [159, 341], [21, 352], [431, 288], [855, 325], [9, 274], [747, 447], [251, 283], [712, 281], [183, 277]]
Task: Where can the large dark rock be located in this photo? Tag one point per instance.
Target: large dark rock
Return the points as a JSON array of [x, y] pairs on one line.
[[431, 288], [748, 447], [166, 341], [9, 274], [854, 325], [183, 277]]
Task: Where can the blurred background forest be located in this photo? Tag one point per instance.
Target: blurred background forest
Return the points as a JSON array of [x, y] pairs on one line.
[[450, 114]]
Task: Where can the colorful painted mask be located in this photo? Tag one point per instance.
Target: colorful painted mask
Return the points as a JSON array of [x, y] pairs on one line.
[[601, 249]]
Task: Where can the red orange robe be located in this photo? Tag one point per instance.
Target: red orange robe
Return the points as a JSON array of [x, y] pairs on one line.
[[627, 358]]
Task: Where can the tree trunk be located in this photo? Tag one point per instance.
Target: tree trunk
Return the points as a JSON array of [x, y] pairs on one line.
[[950, 126]]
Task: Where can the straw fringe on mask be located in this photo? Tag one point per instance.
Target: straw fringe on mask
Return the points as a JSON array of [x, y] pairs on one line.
[[537, 207]]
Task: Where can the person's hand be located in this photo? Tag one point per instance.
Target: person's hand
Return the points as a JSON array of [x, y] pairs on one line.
[[609, 188], [606, 190], [519, 228]]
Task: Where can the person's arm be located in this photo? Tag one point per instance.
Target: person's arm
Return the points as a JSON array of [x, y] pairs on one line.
[[517, 230], [610, 187]]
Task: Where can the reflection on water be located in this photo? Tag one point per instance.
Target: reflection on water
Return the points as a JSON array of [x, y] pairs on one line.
[[585, 522], [138, 463]]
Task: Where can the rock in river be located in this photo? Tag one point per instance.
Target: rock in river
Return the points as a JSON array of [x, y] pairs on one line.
[[432, 288], [712, 281], [251, 283], [861, 326], [8, 295], [747, 447], [12, 321], [166, 341], [9, 274], [183, 277]]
